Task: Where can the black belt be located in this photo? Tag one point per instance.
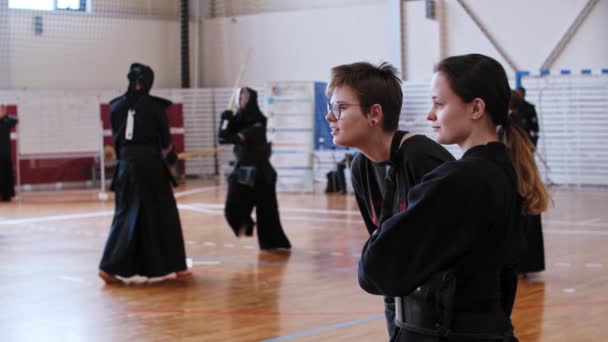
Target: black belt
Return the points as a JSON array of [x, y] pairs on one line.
[[429, 310], [416, 316]]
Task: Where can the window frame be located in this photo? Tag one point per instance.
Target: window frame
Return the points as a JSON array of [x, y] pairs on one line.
[[82, 7]]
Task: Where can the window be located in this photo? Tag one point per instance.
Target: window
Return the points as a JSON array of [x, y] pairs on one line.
[[49, 5], [73, 5]]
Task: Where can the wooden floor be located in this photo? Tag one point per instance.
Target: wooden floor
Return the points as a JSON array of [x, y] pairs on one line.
[[50, 245]]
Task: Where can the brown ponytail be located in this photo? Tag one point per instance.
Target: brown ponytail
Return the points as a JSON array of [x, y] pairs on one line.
[[530, 185]]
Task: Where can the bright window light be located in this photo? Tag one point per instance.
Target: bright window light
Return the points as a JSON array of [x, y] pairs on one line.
[[46, 5], [69, 4]]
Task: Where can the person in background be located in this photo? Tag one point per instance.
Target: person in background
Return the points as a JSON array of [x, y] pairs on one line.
[[146, 235], [7, 180], [526, 117], [363, 112], [533, 257], [450, 259], [253, 181]]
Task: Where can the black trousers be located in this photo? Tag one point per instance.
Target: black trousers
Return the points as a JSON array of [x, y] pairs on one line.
[[7, 180], [262, 195]]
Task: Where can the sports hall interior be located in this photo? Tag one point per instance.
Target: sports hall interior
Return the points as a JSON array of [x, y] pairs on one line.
[[62, 61]]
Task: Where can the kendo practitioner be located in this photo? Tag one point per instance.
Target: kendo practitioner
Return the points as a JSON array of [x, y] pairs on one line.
[[146, 234], [253, 181], [523, 115], [7, 180], [450, 259], [363, 112]]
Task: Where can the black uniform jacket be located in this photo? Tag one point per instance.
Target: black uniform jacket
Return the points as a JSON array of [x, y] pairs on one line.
[[463, 216], [6, 124], [419, 155]]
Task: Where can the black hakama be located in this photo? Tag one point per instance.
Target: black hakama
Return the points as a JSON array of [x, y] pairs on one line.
[[146, 234], [7, 179], [533, 257]]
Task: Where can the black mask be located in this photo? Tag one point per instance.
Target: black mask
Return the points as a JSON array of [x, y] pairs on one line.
[[140, 76]]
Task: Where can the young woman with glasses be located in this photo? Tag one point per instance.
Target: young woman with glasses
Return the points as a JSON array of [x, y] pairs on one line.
[[363, 112]]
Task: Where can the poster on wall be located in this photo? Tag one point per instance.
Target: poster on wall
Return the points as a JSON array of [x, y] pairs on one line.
[[289, 107]]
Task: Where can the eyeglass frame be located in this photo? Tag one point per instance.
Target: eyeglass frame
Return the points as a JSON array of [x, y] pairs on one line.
[[333, 113]]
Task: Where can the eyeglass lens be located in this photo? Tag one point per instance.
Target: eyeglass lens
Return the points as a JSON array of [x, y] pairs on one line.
[[335, 109]]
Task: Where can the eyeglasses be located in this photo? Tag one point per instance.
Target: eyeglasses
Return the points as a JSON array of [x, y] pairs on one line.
[[336, 108]]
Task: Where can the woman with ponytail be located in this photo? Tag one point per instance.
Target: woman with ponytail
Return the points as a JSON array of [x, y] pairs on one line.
[[451, 259], [533, 256]]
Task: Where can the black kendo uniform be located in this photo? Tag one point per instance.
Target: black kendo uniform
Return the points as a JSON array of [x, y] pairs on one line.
[[533, 258], [450, 258], [146, 234], [416, 157], [7, 180], [526, 118], [253, 180]]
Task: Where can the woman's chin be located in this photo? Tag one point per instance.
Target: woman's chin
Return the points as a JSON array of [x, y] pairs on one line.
[[438, 139], [339, 141]]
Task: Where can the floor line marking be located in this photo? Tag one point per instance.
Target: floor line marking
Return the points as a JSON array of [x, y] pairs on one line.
[[199, 210], [210, 262], [290, 209], [326, 328], [57, 218], [283, 217], [575, 223], [575, 232], [73, 279], [194, 191]]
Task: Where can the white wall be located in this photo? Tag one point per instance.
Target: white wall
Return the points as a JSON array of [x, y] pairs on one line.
[[420, 41], [527, 30], [4, 45], [78, 50], [299, 45]]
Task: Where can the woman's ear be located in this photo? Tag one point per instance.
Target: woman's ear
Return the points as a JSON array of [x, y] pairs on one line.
[[478, 107]]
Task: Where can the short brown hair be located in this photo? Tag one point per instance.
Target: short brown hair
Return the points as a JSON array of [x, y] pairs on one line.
[[372, 85]]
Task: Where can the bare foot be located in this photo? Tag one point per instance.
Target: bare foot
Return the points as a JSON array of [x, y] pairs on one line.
[[108, 278]]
